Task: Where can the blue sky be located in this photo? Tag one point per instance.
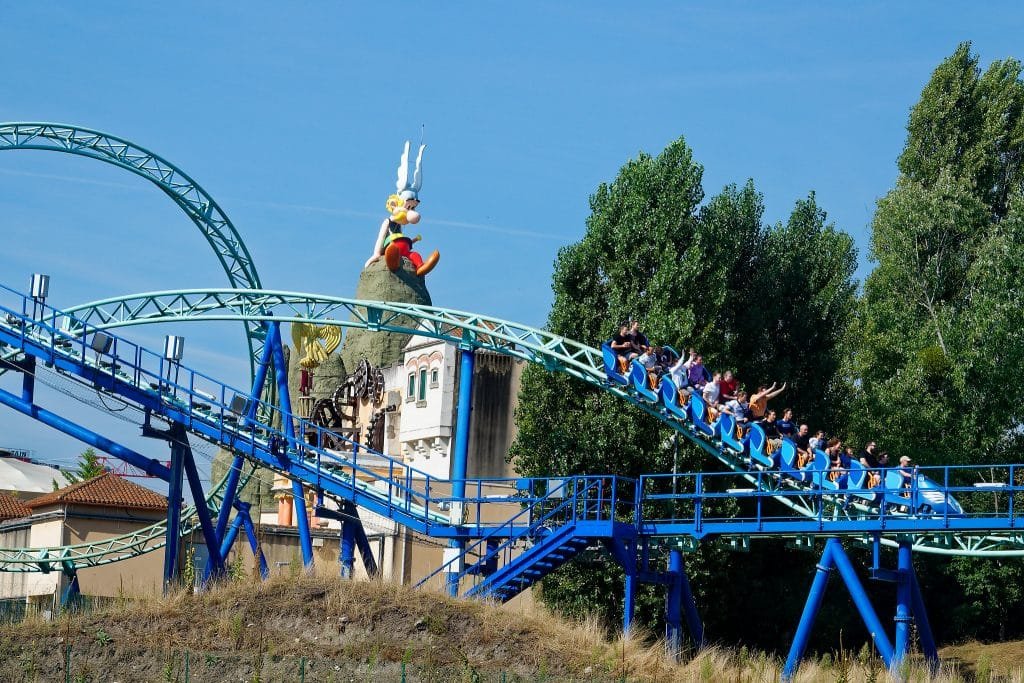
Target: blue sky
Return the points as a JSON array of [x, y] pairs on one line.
[[292, 116]]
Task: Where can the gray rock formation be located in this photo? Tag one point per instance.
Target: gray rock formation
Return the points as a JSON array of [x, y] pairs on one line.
[[377, 283]]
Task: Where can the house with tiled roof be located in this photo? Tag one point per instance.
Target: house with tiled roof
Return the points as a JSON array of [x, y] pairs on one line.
[[91, 511], [12, 507]]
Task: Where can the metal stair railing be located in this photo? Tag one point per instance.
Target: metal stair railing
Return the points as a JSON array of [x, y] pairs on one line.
[[508, 531]]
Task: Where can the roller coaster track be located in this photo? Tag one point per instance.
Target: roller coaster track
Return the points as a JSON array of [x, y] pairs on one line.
[[218, 231], [468, 330]]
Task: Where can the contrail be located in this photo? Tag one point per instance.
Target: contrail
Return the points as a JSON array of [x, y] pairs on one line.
[[497, 229]]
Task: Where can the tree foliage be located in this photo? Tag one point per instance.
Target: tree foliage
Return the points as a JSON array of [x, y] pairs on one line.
[[771, 302], [939, 351], [88, 467]]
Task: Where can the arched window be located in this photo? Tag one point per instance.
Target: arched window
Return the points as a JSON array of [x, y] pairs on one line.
[[411, 394], [433, 377], [423, 384]]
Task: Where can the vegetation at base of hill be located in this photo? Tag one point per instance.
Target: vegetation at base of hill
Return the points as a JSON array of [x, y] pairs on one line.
[[928, 360], [333, 630]]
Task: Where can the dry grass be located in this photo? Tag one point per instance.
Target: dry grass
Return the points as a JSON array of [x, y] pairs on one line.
[[366, 630]]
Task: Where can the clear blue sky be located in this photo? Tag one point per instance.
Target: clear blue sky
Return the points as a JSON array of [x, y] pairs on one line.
[[292, 116]]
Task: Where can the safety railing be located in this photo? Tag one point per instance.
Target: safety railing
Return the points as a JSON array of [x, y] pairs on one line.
[[217, 410], [548, 504], [946, 497]]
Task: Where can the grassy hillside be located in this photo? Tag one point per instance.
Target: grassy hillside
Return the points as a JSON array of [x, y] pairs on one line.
[[328, 630]]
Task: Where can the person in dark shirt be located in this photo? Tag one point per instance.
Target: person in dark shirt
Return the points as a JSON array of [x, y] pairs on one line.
[[768, 424], [636, 338], [869, 456], [622, 347], [786, 425], [803, 446]]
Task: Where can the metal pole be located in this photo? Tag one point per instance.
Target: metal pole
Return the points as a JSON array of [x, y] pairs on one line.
[[87, 436], [460, 458], [861, 600], [693, 621], [924, 627], [254, 544], [629, 600], [673, 605], [28, 380], [216, 561], [347, 554], [904, 589], [174, 501], [810, 613], [298, 494]]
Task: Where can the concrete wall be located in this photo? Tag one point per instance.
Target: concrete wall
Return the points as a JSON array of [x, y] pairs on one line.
[[138, 576], [493, 427]]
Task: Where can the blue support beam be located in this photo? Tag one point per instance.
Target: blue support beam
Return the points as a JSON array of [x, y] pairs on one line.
[[347, 552], [284, 399], [195, 485], [924, 627], [71, 593], [460, 455], [693, 620], [629, 600], [810, 613], [254, 544], [904, 591], [674, 606], [835, 557], [28, 380], [860, 598], [230, 535], [174, 502], [87, 436]]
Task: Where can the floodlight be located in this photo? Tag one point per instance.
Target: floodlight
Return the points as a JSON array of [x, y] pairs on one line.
[[174, 347], [102, 342], [40, 286]]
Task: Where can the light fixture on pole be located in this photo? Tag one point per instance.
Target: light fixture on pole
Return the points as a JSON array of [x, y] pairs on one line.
[[40, 290], [174, 349]]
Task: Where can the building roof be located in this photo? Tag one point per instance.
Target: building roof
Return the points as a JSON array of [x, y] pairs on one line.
[[12, 508], [106, 490], [18, 475]]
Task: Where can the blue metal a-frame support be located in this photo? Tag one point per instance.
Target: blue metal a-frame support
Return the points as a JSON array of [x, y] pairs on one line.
[[909, 607], [680, 604], [243, 519], [353, 536]]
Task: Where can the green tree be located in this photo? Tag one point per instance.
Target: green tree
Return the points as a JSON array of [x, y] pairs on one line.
[[708, 276], [88, 467], [937, 359]]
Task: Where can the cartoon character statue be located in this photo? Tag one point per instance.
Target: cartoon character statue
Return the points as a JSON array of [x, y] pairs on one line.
[[392, 243]]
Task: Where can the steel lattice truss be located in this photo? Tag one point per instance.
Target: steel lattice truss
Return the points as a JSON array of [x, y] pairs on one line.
[[197, 204], [468, 330]]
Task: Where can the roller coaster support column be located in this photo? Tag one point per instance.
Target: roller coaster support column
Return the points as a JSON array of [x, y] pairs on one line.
[[174, 501], [242, 519], [182, 460], [459, 461], [835, 557], [284, 399], [673, 605], [28, 380], [924, 627], [910, 608], [235, 473]]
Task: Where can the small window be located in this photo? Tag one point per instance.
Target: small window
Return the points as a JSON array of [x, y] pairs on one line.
[[423, 384], [411, 394], [433, 378]]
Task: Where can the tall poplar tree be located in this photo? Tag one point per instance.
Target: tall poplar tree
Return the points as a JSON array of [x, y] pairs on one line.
[[939, 347]]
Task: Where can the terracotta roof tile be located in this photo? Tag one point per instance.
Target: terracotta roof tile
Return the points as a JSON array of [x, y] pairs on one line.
[[106, 490], [12, 508]]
